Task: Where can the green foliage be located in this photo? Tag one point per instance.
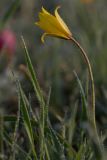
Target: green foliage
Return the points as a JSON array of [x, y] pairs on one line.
[[73, 141]]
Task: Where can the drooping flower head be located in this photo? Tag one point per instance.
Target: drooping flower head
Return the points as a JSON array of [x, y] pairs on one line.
[[53, 25]]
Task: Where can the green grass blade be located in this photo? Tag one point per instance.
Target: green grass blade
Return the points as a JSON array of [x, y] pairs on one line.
[[8, 141], [33, 76], [26, 119], [38, 92], [81, 152], [72, 124], [47, 106], [84, 102], [14, 140]]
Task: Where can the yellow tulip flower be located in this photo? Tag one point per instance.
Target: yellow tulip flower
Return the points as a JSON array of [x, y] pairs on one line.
[[53, 25]]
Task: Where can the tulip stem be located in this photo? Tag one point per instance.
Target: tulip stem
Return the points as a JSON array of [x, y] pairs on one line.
[[92, 117]]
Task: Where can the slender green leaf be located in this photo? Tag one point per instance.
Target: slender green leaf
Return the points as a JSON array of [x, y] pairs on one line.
[[26, 119], [33, 76], [8, 140], [84, 102]]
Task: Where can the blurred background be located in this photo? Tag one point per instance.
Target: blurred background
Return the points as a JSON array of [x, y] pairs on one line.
[[56, 60]]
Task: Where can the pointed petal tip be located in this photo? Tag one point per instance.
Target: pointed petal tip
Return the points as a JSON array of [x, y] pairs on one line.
[[56, 10], [42, 40], [44, 11], [58, 7], [43, 37], [42, 8]]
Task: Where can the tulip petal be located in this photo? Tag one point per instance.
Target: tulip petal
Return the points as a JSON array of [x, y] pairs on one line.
[[50, 24], [45, 11], [52, 35], [43, 37], [62, 23]]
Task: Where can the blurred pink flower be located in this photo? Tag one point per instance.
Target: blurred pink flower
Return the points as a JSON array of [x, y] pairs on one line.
[[8, 43]]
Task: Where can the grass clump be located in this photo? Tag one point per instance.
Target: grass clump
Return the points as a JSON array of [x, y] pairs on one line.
[[34, 136]]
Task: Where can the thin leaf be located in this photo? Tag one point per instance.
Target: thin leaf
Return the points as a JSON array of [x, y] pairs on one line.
[[33, 76], [8, 140], [84, 102], [26, 120]]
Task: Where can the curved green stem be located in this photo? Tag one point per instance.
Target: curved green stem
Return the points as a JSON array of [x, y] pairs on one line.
[[92, 118]]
